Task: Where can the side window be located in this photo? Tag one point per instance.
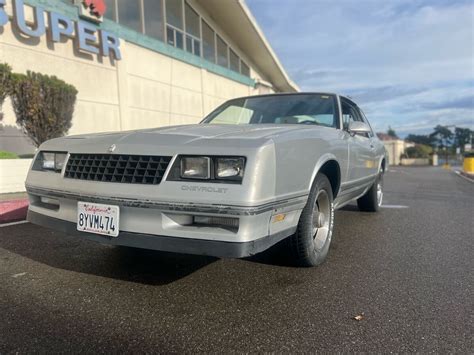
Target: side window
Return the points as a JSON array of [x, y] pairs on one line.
[[349, 114], [362, 114]]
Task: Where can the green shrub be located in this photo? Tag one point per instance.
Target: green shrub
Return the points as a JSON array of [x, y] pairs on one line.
[[419, 151], [7, 155], [5, 82], [44, 105]]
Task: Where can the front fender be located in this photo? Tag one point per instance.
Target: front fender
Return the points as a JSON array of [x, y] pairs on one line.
[[322, 160]]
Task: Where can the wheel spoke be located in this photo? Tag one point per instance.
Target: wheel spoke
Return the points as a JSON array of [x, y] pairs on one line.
[[380, 190], [321, 219]]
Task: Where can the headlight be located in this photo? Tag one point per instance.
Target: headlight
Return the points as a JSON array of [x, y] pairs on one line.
[[230, 168], [217, 169], [196, 168], [50, 161]]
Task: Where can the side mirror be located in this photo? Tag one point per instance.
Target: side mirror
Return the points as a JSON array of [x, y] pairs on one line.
[[358, 127]]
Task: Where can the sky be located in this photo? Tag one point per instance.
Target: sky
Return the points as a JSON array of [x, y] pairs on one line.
[[409, 64]]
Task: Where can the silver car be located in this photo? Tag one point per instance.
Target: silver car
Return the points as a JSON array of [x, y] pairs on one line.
[[254, 172]]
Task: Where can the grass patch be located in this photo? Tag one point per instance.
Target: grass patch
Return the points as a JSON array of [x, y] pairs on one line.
[[7, 155]]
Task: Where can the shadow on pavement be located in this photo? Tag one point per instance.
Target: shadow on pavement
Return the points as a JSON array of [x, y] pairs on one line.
[[277, 255], [60, 251], [350, 208]]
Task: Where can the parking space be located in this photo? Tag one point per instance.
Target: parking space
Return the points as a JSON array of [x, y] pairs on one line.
[[407, 271]]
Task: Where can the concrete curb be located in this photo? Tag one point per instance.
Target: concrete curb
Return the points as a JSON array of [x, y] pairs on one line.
[[13, 210], [465, 176]]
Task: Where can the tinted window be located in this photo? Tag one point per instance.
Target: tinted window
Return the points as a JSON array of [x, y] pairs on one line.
[[208, 42], [153, 10], [234, 61], [222, 58], [244, 69], [110, 12], [129, 14], [174, 13], [192, 22]]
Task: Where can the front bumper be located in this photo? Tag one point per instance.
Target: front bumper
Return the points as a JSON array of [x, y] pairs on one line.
[[156, 225], [167, 243]]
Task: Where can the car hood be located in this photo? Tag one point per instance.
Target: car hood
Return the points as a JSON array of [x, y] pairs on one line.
[[185, 137], [190, 133]]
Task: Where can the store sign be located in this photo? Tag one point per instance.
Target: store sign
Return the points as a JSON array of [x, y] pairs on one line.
[[87, 36]]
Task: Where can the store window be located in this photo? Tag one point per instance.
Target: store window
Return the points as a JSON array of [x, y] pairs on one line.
[[174, 13], [111, 10], [153, 13], [129, 14], [193, 31], [184, 29], [222, 53], [244, 69], [234, 61], [192, 22], [208, 43], [174, 21]]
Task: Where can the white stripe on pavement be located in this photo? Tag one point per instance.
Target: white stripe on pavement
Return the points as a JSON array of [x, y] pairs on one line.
[[12, 224], [394, 206]]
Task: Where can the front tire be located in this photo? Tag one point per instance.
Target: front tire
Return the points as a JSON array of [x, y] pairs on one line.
[[372, 200], [310, 243]]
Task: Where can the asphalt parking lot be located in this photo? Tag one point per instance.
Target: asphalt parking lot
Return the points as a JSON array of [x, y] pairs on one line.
[[408, 271]]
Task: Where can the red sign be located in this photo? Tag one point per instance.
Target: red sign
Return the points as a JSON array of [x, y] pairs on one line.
[[97, 7]]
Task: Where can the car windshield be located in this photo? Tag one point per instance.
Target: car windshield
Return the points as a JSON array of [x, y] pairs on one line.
[[310, 109]]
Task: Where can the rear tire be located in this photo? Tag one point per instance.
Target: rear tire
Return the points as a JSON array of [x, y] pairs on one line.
[[372, 200], [310, 243]]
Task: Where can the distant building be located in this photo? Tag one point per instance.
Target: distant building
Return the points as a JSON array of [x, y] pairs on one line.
[[140, 63], [395, 147]]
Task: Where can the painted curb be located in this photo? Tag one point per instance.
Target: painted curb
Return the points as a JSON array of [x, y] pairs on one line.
[[13, 210]]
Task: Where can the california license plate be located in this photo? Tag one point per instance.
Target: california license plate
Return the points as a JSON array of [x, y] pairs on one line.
[[97, 218]]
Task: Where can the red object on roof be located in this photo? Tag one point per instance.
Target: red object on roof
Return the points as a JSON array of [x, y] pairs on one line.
[[98, 7]]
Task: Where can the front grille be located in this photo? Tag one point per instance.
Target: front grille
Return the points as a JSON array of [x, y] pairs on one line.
[[130, 169]]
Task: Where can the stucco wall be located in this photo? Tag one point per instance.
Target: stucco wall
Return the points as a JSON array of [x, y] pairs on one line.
[[13, 174], [395, 149], [144, 89], [418, 161]]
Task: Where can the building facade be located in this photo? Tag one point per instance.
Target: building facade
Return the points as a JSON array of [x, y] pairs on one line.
[[395, 147], [138, 63]]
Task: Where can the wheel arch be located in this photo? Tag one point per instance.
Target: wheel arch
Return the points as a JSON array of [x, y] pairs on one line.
[[383, 164], [329, 166]]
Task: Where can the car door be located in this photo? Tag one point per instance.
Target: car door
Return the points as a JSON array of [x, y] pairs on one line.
[[360, 152], [373, 166]]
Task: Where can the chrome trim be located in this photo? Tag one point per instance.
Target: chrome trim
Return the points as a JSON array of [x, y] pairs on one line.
[[292, 203], [358, 183]]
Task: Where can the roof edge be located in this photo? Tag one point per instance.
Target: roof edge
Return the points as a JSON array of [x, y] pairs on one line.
[[292, 86]]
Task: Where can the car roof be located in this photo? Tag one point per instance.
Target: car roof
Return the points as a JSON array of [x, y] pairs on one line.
[[296, 93], [286, 94]]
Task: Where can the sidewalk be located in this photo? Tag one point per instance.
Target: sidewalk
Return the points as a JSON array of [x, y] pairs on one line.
[[13, 207]]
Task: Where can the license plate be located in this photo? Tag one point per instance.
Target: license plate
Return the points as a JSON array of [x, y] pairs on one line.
[[97, 218]]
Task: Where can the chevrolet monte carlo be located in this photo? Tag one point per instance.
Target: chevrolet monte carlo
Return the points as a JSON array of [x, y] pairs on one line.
[[254, 172]]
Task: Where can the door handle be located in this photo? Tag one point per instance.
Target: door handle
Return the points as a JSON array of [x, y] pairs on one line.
[[372, 146]]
